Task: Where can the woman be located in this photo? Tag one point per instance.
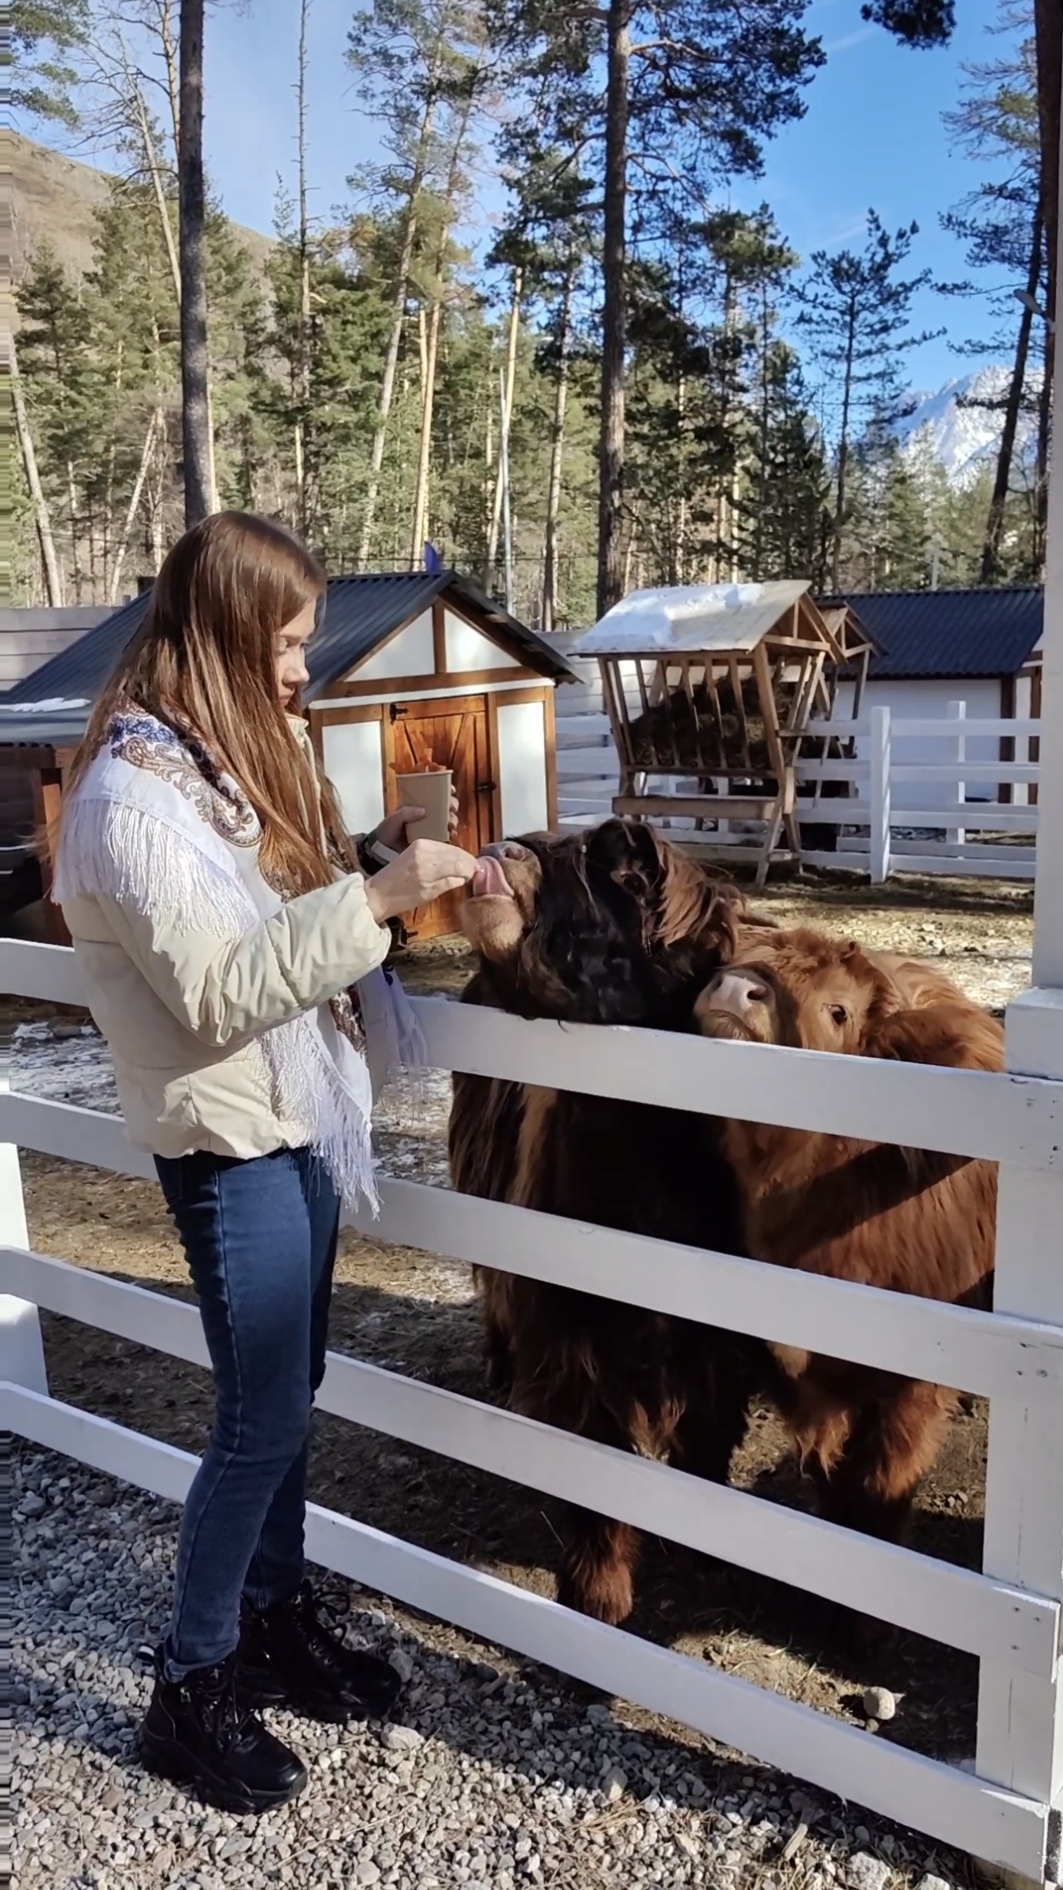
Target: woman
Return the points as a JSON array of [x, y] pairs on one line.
[[215, 907]]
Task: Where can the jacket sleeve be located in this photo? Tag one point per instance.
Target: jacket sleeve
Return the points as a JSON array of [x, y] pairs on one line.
[[227, 991], [190, 928]]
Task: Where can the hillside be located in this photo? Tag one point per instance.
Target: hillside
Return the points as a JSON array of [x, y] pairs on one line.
[[54, 198]]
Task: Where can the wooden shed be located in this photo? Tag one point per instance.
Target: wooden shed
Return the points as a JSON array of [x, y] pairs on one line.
[[719, 682], [406, 670]]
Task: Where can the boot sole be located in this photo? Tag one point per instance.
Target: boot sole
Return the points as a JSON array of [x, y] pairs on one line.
[[166, 1759]]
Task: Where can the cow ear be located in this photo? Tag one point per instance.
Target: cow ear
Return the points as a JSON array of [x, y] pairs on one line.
[[849, 951]]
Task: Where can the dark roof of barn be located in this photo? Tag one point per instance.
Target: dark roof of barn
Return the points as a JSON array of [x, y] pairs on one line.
[[360, 613], [990, 632]]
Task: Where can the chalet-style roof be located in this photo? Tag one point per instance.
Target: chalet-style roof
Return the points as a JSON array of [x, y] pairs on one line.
[[926, 634], [360, 613], [687, 618]]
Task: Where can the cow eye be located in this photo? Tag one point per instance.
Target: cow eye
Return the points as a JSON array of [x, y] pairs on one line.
[[839, 1014]]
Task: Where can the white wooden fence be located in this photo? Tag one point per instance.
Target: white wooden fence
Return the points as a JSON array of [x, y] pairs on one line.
[[1008, 1615], [587, 769]]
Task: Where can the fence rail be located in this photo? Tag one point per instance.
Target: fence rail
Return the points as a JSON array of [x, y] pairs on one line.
[[1004, 1812]]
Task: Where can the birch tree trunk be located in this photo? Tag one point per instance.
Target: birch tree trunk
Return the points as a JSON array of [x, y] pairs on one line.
[[435, 319], [133, 508], [398, 317], [511, 371], [557, 454], [53, 584]]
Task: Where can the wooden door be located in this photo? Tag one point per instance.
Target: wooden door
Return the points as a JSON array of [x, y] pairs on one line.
[[450, 734]]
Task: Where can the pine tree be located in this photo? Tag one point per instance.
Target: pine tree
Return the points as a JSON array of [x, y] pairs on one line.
[[1002, 225], [856, 313], [200, 496], [784, 496], [927, 23], [46, 39], [680, 103], [412, 60]]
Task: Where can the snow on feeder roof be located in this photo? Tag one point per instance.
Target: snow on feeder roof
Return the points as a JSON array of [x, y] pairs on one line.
[[712, 692], [691, 618]]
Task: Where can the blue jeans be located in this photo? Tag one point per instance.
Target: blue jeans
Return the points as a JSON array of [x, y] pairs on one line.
[[260, 1240]]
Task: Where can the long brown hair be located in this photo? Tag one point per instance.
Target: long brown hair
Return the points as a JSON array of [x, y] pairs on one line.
[[204, 660]]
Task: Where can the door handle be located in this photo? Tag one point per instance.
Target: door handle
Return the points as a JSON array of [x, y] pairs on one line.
[[485, 787]]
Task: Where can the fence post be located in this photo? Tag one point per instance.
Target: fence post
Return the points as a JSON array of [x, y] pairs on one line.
[[956, 712], [1020, 1717], [21, 1347], [879, 794]]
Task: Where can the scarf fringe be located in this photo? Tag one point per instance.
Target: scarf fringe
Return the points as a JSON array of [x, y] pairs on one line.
[[309, 1086], [133, 854]]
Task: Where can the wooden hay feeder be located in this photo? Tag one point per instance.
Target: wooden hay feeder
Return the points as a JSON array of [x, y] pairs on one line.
[[713, 687]]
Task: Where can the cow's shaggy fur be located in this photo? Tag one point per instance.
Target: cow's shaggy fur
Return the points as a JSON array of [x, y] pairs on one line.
[[904, 1219], [610, 927]]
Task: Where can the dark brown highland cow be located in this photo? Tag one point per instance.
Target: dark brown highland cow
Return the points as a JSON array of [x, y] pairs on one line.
[[899, 1218], [608, 927]]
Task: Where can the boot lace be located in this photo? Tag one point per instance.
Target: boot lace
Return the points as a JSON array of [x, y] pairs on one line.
[[216, 1700]]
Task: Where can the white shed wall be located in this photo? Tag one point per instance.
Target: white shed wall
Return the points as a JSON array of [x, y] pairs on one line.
[[929, 698], [351, 754], [522, 767]]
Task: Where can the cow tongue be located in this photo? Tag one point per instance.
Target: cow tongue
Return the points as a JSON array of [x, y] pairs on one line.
[[489, 879]]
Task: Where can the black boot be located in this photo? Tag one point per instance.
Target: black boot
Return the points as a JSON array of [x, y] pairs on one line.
[[199, 1732], [289, 1658]]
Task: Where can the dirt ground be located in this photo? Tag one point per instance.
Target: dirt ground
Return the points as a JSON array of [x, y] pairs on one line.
[[418, 1316]]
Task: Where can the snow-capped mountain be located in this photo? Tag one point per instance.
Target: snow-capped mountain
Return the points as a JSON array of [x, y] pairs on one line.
[[963, 437]]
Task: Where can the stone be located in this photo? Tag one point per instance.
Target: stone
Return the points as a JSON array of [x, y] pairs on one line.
[[403, 1739], [614, 1785], [879, 1703], [866, 1872]]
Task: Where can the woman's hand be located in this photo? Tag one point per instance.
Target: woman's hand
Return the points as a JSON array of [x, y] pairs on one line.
[[392, 830], [423, 872]]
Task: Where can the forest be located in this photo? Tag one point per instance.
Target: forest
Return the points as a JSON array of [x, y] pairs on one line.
[[629, 384]]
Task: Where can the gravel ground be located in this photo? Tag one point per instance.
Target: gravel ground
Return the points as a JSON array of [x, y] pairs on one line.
[[492, 1775]]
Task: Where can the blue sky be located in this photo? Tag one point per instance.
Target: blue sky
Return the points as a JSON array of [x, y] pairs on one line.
[[872, 136]]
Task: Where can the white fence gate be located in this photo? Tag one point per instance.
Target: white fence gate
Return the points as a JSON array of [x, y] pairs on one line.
[[1008, 1615], [883, 843]]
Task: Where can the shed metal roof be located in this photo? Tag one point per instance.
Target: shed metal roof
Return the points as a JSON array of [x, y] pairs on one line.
[[972, 633], [360, 612]]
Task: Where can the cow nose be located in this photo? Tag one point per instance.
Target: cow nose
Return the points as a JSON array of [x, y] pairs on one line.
[[733, 992]]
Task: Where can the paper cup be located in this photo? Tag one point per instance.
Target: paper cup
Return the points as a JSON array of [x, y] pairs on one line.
[[432, 792]]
